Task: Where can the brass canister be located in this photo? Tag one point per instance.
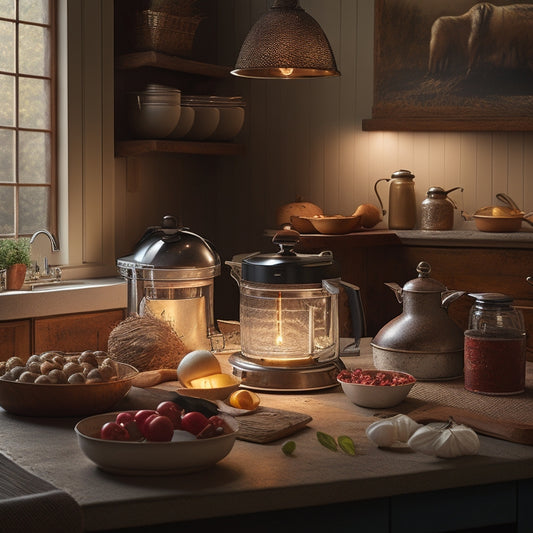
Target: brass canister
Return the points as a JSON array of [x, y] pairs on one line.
[[402, 203]]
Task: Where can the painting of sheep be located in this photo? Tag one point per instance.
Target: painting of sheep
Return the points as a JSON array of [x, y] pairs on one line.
[[454, 59]]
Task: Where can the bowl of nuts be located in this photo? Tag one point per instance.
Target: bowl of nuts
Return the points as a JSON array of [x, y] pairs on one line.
[[63, 384], [375, 388]]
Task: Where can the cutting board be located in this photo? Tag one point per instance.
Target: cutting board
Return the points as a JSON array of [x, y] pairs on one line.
[[509, 430], [267, 424]]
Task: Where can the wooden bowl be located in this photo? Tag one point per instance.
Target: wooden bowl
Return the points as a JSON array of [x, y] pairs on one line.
[[39, 399], [302, 224], [498, 224], [336, 225]]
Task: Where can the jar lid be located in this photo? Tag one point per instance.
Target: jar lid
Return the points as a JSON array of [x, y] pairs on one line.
[[424, 283], [492, 298], [288, 267], [170, 247]]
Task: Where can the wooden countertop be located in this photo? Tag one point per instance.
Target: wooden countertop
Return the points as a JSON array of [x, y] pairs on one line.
[[257, 477]]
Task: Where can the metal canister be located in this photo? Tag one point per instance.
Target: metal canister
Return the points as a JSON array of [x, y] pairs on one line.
[[437, 209], [402, 204]]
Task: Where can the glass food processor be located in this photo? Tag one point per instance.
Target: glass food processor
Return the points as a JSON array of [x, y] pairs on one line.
[[171, 276], [289, 318]]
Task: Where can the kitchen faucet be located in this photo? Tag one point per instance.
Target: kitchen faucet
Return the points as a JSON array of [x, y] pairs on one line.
[[53, 240]]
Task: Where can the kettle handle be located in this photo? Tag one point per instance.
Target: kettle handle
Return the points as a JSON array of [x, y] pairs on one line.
[[357, 312], [377, 194]]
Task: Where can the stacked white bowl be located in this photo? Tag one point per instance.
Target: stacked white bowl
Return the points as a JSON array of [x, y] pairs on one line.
[[155, 112], [216, 118]]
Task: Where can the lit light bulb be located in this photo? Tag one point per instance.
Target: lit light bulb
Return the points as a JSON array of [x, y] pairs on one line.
[[279, 337], [286, 71]]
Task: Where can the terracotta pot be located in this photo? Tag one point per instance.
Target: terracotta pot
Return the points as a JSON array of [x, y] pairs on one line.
[[15, 276]]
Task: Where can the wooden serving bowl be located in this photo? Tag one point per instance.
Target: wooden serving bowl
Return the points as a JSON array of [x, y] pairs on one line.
[[336, 225], [55, 400]]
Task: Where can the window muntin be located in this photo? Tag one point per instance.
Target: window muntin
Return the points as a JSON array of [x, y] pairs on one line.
[[27, 122]]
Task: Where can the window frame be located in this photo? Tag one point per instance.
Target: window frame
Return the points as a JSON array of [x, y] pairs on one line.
[[85, 138], [18, 185]]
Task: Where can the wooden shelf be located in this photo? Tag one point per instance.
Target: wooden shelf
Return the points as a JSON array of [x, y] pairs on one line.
[[158, 60], [139, 147]]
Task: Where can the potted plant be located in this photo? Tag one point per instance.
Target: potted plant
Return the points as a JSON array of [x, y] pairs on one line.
[[15, 259]]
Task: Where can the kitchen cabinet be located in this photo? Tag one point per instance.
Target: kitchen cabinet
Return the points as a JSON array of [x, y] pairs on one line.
[[488, 264], [70, 333], [15, 339]]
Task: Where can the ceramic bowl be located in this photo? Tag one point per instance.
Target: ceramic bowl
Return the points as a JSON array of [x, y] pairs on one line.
[[152, 458], [336, 225], [153, 120], [185, 123], [205, 123], [229, 125], [39, 399], [378, 396]]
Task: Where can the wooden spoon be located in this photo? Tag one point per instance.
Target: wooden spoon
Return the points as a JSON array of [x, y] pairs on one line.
[[150, 378]]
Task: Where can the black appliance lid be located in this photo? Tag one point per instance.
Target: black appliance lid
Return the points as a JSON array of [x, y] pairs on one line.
[[288, 267]]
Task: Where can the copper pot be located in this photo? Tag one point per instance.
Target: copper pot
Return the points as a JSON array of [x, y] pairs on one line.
[[500, 218]]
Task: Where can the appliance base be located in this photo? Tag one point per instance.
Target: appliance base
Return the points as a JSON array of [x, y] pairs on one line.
[[288, 379]]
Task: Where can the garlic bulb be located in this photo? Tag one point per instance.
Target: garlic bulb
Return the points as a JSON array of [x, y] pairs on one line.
[[445, 440], [399, 428]]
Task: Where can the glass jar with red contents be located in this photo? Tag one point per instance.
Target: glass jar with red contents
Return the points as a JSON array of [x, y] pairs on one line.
[[495, 346]]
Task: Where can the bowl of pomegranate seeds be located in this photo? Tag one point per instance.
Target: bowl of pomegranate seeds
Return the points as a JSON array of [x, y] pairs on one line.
[[375, 388]]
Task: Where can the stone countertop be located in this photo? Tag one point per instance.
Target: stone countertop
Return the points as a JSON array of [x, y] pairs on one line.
[[467, 238], [256, 477]]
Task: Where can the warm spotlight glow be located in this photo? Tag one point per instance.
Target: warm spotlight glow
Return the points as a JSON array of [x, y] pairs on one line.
[[279, 337]]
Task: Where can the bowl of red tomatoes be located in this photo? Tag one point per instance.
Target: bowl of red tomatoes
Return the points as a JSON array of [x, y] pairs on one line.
[[162, 441], [375, 388]]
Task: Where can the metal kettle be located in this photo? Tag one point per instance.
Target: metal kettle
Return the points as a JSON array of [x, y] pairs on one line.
[[402, 201], [423, 340]]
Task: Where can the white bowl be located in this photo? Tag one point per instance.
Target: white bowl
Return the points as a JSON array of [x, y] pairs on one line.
[[151, 458], [184, 123], [205, 123], [229, 125], [153, 120], [378, 396]]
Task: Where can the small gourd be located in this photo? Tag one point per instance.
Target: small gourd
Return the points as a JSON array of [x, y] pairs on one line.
[[445, 440], [385, 433]]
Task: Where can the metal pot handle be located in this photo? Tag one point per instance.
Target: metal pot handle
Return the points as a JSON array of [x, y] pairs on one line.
[[377, 194], [506, 199]]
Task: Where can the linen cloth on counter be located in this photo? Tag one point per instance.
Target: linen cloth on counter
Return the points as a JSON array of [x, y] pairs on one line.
[[29, 504]]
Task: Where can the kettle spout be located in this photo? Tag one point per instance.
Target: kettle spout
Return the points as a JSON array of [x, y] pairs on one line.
[[398, 291], [450, 296]]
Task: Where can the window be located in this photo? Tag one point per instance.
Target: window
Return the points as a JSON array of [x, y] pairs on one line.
[[27, 121]]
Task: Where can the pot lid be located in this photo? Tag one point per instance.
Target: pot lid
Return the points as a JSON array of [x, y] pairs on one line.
[[288, 267], [173, 247], [424, 283]]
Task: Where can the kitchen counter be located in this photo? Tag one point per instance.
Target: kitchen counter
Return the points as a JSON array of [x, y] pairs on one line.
[[377, 490]]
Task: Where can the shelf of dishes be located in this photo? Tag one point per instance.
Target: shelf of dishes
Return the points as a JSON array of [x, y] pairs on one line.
[[162, 113]]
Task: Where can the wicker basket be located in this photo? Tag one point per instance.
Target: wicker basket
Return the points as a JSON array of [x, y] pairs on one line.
[[165, 33], [178, 8]]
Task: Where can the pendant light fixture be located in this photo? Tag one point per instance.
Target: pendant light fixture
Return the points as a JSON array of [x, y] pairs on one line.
[[286, 43]]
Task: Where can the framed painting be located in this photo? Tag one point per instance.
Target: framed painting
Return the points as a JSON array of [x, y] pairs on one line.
[[452, 65]]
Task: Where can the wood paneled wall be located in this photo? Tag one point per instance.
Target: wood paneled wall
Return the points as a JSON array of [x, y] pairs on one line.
[[304, 138]]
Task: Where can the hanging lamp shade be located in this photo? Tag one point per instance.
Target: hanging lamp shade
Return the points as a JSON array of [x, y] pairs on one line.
[[288, 43]]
